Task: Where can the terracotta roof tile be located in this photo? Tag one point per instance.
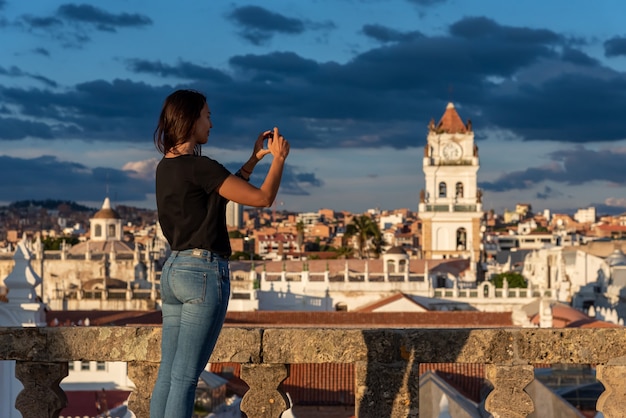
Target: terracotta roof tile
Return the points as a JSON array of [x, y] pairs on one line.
[[451, 121]]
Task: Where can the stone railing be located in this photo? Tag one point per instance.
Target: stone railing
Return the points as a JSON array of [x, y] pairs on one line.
[[385, 360]]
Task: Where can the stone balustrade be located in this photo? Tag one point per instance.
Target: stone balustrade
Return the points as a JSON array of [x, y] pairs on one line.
[[385, 360]]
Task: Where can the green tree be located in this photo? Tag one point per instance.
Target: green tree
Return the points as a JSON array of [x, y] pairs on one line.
[[362, 228], [54, 244], [378, 242], [514, 279], [343, 251]]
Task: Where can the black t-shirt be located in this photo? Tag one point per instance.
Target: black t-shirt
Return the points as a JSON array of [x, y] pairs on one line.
[[191, 212]]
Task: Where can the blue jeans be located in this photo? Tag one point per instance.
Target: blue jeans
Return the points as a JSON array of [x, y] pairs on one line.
[[195, 287]]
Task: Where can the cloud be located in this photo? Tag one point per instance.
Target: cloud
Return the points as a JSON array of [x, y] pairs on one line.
[[293, 182], [386, 34], [48, 177], [615, 46], [71, 23], [548, 193], [183, 69], [141, 169], [101, 19], [573, 167], [14, 129], [14, 71], [258, 24], [525, 81], [427, 3]]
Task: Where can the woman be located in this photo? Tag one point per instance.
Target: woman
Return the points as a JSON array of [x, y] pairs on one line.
[[191, 194]]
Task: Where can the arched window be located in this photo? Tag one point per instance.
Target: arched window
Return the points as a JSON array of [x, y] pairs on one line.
[[442, 189], [111, 230], [459, 189], [461, 239], [98, 230]]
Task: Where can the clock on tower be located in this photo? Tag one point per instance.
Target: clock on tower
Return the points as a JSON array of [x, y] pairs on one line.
[[451, 151]]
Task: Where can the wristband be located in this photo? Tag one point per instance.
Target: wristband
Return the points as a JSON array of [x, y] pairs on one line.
[[238, 174]]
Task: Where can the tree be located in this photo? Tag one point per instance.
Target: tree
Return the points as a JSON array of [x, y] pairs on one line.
[[378, 242], [363, 228], [513, 279], [54, 244]]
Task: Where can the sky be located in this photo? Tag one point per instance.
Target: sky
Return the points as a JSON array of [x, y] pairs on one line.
[[352, 84]]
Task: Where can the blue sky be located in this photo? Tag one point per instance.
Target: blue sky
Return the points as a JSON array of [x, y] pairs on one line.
[[352, 84]]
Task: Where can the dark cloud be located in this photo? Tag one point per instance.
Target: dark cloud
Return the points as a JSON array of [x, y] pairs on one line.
[[572, 167], [477, 28], [258, 24], [427, 3], [101, 19], [14, 71], [14, 129], [72, 181], [527, 82], [71, 23], [386, 34], [42, 51], [548, 193], [615, 47], [293, 182], [184, 69], [576, 56]]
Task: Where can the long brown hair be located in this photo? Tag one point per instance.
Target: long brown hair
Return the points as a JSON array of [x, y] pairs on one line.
[[180, 112]]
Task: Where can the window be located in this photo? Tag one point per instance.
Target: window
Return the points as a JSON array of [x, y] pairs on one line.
[[84, 365], [98, 230], [70, 365], [442, 189], [459, 189], [111, 231], [461, 239], [100, 366]]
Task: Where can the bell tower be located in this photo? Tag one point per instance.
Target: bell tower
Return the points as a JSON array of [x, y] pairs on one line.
[[451, 204]]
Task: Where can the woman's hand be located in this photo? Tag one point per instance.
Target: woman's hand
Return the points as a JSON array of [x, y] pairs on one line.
[[259, 151], [278, 145]]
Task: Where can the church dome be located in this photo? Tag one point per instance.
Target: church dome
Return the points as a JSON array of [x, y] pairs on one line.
[[616, 258], [106, 212]]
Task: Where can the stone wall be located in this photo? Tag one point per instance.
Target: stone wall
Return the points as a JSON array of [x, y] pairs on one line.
[[386, 362]]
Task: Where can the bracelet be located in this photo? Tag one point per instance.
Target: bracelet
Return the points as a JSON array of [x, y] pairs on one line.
[[240, 175], [249, 173]]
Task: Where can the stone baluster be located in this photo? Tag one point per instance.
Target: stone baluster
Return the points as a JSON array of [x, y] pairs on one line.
[[42, 397], [612, 402], [386, 389], [264, 399], [508, 398], [144, 375]]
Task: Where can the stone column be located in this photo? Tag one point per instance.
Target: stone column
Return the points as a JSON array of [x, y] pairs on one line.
[[264, 399], [41, 397], [508, 399], [144, 375], [386, 389], [612, 402]]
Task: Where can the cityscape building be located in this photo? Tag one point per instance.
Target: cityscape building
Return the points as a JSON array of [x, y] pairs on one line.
[[450, 206]]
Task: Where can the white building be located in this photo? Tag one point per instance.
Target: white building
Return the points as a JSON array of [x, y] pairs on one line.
[[587, 215], [451, 205], [234, 215]]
